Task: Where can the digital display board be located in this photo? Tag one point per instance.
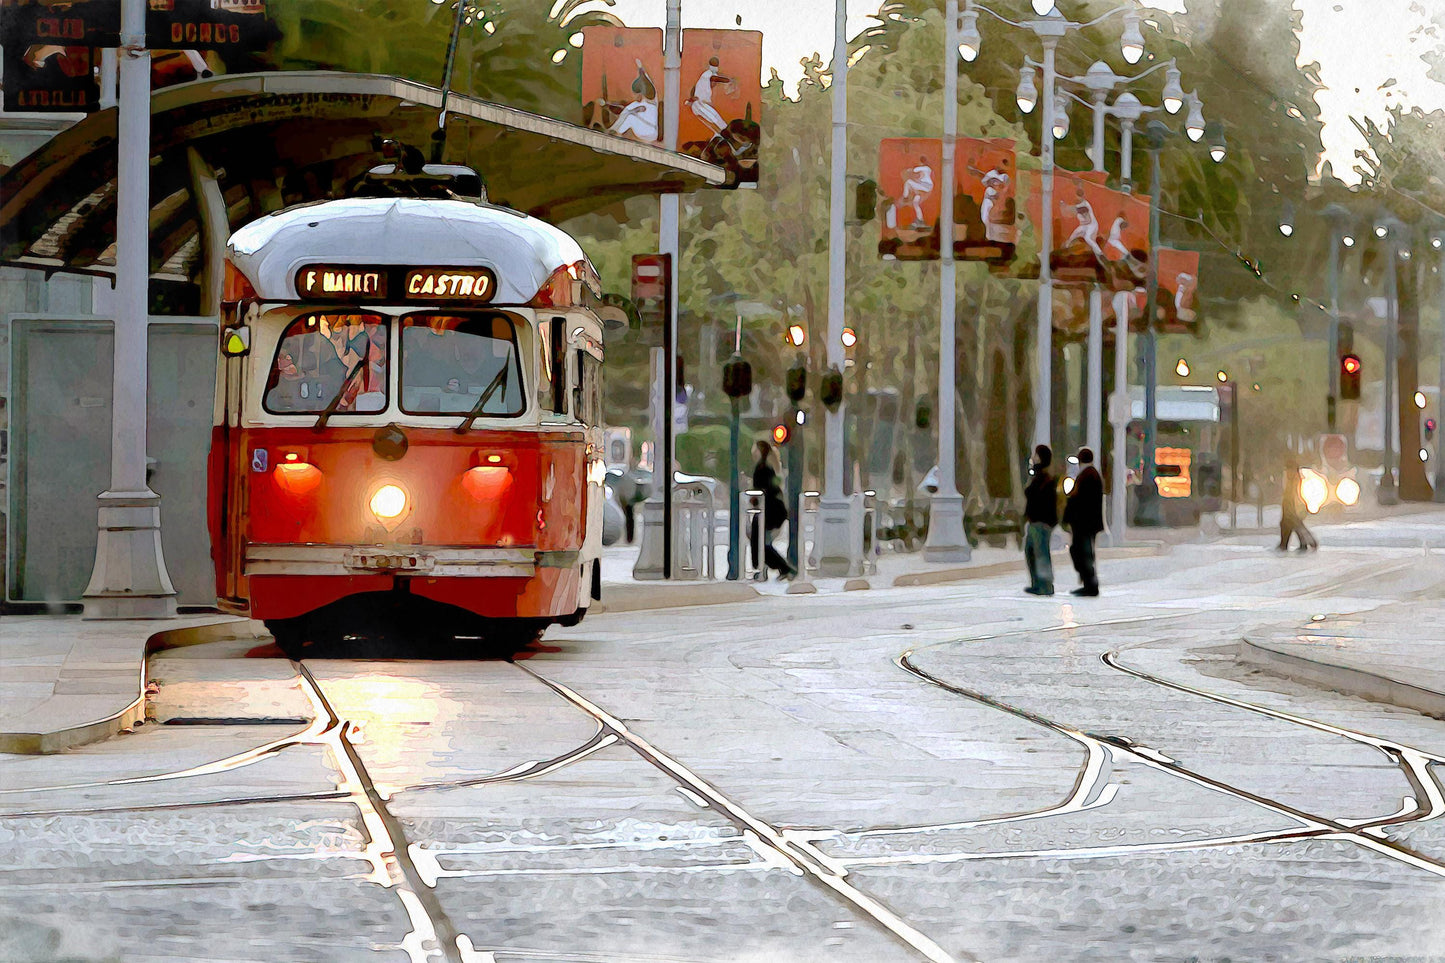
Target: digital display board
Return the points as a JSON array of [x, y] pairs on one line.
[[372, 284]]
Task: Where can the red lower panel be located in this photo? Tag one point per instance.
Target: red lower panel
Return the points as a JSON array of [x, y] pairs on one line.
[[287, 596], [551, 592]]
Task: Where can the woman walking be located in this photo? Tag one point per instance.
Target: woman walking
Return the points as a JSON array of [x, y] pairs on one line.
[[775, 511]]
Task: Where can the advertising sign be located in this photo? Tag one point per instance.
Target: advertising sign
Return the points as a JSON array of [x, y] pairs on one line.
[[722, 99], [622, 82], [1100, 236], [908, 171], [622, 88], [49, 78], [170, 24], [985, 181]]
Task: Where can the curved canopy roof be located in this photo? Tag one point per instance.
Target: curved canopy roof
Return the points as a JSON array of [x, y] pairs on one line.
[[276, 139], [521, 251]]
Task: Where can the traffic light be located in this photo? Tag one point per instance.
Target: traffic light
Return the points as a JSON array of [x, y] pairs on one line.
[[1350, 377], [797, 382], [737, 377], [830, 391], [781, 433], [865, 201]]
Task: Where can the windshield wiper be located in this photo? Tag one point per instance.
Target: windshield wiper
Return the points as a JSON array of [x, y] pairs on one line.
[[336, 401], [499, 381]]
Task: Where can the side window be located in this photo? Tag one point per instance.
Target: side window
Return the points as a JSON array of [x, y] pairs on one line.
[[326, 357], [588, 393], [552, 351]]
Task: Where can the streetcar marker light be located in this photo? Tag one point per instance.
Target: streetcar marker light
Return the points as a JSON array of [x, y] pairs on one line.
[[1348, 491], [388, 502]]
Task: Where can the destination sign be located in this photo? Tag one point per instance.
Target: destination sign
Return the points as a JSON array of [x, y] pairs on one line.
[[341, 282], [373, 284], [449, 284]]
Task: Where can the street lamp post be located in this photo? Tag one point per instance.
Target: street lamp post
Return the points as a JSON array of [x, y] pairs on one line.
[[1390, 230], [1148, 493], [947, 541], [1050, 27], [129, 579], [836, 554]]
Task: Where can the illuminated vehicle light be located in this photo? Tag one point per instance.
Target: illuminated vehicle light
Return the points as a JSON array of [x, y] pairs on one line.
[[388, 502], [1068, 486], [297, 477], [1313, 490], [596, 471], [1348, 491], [487, 483]]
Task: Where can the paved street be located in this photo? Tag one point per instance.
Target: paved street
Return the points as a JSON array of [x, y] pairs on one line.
[[948, 772]]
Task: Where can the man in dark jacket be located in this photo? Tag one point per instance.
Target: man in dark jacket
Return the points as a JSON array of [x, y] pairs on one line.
[[1041, 514], [1084, 515]]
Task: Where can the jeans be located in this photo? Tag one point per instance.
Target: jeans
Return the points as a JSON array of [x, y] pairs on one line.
[[1037, 558], [1081, 550]]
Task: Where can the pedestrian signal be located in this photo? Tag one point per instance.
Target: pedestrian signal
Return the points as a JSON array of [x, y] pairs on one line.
[[780, 434], [737, 377], [1429, 428], [1350, 368]]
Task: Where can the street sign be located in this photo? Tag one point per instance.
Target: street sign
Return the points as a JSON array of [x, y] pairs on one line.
[[651, 283]]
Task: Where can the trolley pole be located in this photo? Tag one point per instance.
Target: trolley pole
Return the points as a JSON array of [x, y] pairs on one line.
[[129, 580]]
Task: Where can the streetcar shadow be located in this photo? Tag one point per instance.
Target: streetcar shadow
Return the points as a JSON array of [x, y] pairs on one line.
[[386, 628]]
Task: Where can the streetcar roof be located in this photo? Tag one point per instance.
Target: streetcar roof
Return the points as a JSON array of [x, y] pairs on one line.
[[522, 251]]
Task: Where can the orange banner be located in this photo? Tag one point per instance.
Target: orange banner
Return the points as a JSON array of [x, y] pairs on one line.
[[985, 182], [722, 99], [1100, 236], [622, 81], [908, 173], [1176, 308]]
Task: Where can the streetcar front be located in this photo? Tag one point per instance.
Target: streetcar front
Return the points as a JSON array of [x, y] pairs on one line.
[[409, 406]]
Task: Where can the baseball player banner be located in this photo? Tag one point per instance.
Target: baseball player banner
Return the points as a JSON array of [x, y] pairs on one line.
[[721, 70], [722, 99], [1176, 304], [622, 82], [1100, 236], [908, 197], [985, 181]]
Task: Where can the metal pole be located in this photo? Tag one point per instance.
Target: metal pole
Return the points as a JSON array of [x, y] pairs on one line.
[[1440, 399], [795, 489], [734, 490], [1043, 400], [1118, 485], [836, 554], [1392, 323], [1126, 156], [947, 541], [129, 579], [1333, 361], [1236, 484], [668, 244], [1149, 503], [1094, 407]]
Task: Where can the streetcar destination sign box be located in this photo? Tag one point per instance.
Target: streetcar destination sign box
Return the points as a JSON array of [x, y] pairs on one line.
[[376, 283]]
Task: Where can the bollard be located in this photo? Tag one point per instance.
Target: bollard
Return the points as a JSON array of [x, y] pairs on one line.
[[802, 583]]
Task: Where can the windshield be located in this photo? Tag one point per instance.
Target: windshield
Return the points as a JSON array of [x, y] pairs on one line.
[[449, 361], [314, 357]]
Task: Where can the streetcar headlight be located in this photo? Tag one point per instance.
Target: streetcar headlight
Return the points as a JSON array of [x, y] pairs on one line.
[[1313, 490], [388, 502], [1348, 491]]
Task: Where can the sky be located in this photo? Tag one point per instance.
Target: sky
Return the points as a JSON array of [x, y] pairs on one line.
[[1358, 44]]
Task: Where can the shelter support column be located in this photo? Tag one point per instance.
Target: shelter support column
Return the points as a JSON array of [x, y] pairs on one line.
[[129, 580]]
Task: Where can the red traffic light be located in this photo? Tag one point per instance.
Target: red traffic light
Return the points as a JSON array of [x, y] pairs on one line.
[[1351, 364], [780, 434]]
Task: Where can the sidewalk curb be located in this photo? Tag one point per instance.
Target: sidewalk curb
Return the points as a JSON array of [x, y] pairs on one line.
[[968, 573], [1345, 679], [67, 733], [634, 597]]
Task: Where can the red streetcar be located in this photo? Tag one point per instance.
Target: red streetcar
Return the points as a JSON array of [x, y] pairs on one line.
[[408, 408]]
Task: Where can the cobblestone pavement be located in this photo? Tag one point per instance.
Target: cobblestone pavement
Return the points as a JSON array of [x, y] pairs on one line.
[[954, 772]]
